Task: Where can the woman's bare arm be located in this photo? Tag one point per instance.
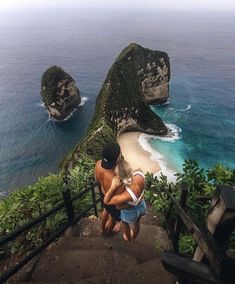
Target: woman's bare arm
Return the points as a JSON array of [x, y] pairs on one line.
[[112, 199]]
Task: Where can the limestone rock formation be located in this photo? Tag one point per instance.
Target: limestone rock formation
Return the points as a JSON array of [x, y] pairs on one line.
[[121, 105], [154, 73], [59, 93]]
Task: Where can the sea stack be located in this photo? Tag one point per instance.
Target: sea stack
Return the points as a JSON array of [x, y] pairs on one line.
[[125, 95], [59, 93], [123, 102]]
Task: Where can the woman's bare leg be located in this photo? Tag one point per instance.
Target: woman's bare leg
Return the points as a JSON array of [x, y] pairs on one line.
[[136, 229], [126, 231]]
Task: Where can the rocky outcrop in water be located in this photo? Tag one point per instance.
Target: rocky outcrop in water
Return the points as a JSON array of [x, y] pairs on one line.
[[59, 93], [121, 104]]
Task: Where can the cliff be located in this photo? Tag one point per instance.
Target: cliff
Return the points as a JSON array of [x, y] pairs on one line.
[[121, 104], [154, 74], [59, 93]]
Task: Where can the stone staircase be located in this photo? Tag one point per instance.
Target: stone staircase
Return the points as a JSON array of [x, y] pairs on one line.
[[83, 255]]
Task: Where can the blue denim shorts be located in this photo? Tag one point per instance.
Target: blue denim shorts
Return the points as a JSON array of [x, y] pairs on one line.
[[132, 214]]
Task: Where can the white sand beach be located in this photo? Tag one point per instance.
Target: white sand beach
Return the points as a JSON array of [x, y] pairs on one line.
[[134, 154]]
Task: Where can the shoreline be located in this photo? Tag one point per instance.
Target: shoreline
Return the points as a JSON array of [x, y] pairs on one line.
[[134, 153], [139, 154]]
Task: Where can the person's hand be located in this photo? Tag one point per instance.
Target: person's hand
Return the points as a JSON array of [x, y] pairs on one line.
[[116, 182]]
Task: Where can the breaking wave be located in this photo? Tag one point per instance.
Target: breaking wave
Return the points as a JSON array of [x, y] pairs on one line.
[[83, 100], [173, 134], [187, 108], [144, 141]]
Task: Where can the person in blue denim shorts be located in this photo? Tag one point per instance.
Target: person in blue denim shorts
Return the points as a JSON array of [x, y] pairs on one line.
[[133, 198]]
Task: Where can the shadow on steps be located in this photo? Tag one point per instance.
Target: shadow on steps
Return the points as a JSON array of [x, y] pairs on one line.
[[83, 255]]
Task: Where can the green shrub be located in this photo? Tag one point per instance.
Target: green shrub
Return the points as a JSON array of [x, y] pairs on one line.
[[30, 202], [79, 176], [201, 185], [26, 204], [186, 244]]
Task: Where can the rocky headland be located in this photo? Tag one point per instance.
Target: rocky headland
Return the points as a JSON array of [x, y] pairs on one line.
[[155, 76], [59, 92], [137, 75]]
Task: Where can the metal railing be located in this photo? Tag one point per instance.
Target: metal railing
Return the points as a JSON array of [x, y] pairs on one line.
[[67, 204]]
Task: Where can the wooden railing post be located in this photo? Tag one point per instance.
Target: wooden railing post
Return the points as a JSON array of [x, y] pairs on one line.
[[68, 203], [178, 223], [94, 198]]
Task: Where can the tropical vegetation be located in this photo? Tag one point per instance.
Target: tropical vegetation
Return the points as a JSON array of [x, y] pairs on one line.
[[29, 202], [201, 185]]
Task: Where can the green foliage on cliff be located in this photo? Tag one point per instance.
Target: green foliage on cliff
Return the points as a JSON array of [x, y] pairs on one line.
[[26, 204], [83, 172], [201, 184], [120, 105], [30, 202], [49, 83], [121, 96]]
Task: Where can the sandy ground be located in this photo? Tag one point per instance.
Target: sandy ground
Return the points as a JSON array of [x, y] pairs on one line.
[[134, 154]]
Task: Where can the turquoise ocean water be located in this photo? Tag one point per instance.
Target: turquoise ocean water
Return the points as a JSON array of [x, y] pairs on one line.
[[201, 110]]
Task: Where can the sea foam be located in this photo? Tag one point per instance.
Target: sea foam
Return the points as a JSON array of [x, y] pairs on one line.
[[3, 194], [187, 108], [41, 104], [83, 100], [172, 136], [166, 103]]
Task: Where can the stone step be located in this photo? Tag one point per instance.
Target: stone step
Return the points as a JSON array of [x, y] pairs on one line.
[[97, 266], [89, 226], [75, 266], [150, 272], [83, 255], [151, 218], [141, 252], [150, 235]]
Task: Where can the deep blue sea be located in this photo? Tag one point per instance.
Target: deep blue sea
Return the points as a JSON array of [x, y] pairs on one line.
[[201, 47]]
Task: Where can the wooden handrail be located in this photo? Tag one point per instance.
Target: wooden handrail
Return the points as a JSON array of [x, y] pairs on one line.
[[206, 243]]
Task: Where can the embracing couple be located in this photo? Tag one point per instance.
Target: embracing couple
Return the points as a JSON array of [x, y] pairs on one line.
[[121, 193]]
